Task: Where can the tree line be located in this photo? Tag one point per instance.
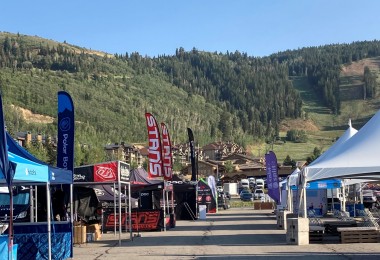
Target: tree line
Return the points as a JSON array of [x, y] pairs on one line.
[[221, 96]]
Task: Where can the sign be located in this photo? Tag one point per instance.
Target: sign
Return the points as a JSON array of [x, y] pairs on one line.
[[144, 220], [105, 172], [124, 171]]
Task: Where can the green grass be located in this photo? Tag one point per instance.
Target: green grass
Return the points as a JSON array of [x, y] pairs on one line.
[[330, 126], [241, 204]]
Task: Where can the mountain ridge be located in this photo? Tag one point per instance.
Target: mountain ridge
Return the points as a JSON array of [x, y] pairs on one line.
[[220, 96]]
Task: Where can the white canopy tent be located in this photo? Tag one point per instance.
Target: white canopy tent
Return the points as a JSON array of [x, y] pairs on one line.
[[357, 157], [353, 158]]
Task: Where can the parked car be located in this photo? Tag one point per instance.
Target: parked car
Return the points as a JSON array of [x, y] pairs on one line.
[[260, 183], [246, 195], [258, 194]]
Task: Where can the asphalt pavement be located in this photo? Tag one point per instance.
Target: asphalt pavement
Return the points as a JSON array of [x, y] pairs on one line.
[[236, 233]]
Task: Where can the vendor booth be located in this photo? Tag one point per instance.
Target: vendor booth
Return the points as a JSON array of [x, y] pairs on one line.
[[113, 174], [155, 202], [38, 239], [185, 198]]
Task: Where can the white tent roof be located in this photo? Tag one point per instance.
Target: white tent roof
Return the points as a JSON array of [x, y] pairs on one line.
[[293, 178], [357, 157], [331, 151]]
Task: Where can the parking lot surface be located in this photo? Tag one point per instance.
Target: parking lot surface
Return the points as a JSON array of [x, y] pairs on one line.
[[236, 233]]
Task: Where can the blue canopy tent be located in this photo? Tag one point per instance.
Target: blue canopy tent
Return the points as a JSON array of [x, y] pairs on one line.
[[28, 171], [289, 188], [56, 175], [32, 171]]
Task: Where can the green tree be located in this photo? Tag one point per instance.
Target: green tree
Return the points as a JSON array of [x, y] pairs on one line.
[[316, 153], [229, 166], [289, 162]]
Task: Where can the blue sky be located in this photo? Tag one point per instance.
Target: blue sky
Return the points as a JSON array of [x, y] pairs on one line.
[[158, 27]]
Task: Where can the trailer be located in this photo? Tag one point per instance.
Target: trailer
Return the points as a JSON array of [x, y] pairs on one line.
[[231, 188]]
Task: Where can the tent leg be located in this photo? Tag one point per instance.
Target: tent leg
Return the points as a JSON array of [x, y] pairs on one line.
[[130, 211], [343, 207], [164, 206], [119, 204], [48, 199], [114, 210]]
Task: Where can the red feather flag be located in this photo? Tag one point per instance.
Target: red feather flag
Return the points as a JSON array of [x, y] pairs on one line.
[[155, 168], [166, 153]]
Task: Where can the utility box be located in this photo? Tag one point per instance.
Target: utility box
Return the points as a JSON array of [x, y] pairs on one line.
[[202, 211], [281, 219]]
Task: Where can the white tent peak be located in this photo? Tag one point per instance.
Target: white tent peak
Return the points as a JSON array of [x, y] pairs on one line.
[[350, 132], [293, 177], [356, 157]]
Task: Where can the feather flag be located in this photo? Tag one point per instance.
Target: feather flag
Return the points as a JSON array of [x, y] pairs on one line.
[[272, 176], [192, 155], [166, 153], [65, 146], [155, 168]]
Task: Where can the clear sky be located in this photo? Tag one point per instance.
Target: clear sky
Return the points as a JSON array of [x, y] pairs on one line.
[[156, 27]]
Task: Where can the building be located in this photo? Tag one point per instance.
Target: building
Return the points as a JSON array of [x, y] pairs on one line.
[[124, 152], [25, 138], [219, 150]]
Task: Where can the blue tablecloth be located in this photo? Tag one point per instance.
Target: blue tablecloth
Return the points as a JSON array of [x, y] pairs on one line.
[[32, 241], [4, 248]]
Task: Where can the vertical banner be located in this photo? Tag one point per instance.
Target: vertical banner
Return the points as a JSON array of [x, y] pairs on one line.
[[205, 196], [155, 151], [65, 146], [166, 153], [272, 176], [192, 155]]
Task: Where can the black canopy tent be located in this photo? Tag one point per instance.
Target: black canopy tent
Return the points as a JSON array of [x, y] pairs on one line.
[[184, 201], [113, 174], [152, 194], [185, 197]]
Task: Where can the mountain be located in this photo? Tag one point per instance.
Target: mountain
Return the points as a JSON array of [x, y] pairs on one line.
[[231, 96]]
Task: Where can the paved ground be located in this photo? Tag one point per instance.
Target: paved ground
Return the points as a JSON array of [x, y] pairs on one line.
[[230, 234]]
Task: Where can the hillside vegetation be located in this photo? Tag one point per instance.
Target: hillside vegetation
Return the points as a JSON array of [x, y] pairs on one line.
[[231, 96]]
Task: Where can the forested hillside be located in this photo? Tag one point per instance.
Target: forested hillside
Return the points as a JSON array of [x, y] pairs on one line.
[[229, 96]]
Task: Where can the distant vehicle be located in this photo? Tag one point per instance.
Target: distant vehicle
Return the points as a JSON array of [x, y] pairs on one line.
[[260, 183], [258, 194], [22, 204], [246, 195], [369, 198], [252, 183], [244, 183]]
